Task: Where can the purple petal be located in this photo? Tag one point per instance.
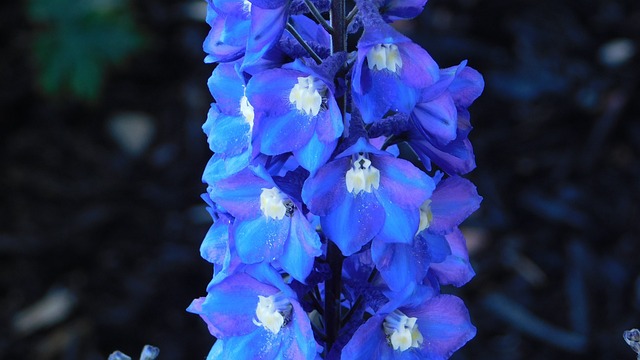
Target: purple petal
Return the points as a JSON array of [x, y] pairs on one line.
[[402, 183], [438, 117], [298, 342], [419, 70], [327, 188], [267, 25], [230, 305], [444, 323], [240, 193], [455, 269], [453, 200], [368, 342], [396, 263]]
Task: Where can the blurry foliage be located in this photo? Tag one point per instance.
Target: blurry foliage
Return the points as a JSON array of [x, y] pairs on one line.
[[76, 41]]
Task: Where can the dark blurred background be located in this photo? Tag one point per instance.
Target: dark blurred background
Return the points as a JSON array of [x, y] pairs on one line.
[[101, 153]]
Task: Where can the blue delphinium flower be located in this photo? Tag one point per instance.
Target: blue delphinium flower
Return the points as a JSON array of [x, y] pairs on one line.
[[440, 120], [389, 70], [296, 112], [269, 224], [426, 326], [366, 193], [435, 247], [255, 319], [328, 241]]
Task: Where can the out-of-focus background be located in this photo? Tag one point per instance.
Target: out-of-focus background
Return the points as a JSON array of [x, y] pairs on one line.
[[101, 152]]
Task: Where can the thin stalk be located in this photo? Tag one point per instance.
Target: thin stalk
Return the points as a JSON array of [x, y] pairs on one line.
[[304, 44], [332, 291], [318, 16], [333, 286], [352, 14]]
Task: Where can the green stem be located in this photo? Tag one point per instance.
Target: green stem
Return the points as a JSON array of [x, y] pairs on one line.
[[332, 294]]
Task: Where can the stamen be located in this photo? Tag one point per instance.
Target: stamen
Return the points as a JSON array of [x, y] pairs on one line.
[[247, 111], [273, 312], [402, 331], [272, 204], [426, 216], [307, 95], [362, 176], [384, 56]]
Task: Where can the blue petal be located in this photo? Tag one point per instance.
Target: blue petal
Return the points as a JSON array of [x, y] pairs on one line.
[[453, 200], [301, 248], [267, 25], [455, 269], [396, 263], [227, 88], [439, 118], [215, 246], [368, 342], [314, 154], [240, 193], [260, 239], [354, 221], [327, 188], [400, 224], [220, 166], [230, 305], [444, 323]]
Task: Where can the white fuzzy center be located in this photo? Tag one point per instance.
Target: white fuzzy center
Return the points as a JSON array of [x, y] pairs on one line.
[[362, 176], [307, 94], [402, 331], [384, 56], [272, 312]]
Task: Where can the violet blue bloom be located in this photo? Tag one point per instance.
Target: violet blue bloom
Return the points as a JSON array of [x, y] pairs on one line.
[[255, 319], [389, 70], [404, 265], [243, 28], [295, 110], [431, 328], [366, 193], [269, 223], [441, 120], [392, 10]]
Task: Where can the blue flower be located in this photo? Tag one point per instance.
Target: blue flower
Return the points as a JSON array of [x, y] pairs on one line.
[[429, 328], [440, 120], [389, 69], [364, 193], [436, 247], [243, 28], [255, 319], [269, 223], [295, 111]]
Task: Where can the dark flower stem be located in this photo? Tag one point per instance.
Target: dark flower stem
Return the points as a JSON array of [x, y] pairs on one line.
[[304, 44], [333, 287], [318, 16], [332, 306]]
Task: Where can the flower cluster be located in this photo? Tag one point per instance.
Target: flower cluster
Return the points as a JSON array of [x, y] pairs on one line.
[[335, 186]]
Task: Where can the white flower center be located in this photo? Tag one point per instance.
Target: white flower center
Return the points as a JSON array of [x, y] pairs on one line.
[[246, 6], [362, 176], [307, 94], [384, 56], [272, 204], [426, 216], [402, 331], [247, 111], [272, 312]]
